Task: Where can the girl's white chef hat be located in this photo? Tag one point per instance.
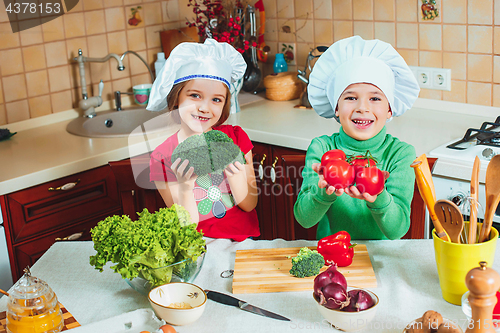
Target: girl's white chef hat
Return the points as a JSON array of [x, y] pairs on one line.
[[211, 60], [355, 60]]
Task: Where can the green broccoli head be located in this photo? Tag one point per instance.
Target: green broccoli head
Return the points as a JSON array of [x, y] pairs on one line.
[[307, 263], [209, 152]]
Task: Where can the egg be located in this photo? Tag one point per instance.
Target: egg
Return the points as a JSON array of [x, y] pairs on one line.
[[168, 329]]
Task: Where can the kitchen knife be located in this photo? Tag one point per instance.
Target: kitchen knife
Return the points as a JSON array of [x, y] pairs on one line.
[[230, 300], [474, 187]]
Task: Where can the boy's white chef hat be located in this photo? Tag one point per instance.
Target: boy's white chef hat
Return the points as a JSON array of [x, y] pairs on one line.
[[355, 60], [211, 60]]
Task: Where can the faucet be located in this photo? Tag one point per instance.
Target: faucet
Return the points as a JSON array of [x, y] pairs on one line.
[[88, 104]]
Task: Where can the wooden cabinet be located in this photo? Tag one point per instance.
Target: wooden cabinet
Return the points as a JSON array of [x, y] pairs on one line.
[[63, 209], [278, 172]]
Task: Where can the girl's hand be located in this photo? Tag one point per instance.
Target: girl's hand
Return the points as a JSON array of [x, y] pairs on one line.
[[234, 171], [355, 193], [322, 182], [185, 179]]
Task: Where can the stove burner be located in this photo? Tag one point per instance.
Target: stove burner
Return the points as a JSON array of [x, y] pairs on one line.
[[483, 136]]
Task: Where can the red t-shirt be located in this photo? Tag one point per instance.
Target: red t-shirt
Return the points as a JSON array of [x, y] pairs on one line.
[[219, 216]]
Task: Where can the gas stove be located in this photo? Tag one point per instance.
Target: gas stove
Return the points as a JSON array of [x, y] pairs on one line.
[[453, 168]]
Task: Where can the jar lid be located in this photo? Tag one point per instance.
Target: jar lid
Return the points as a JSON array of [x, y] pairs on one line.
[[29, 287]]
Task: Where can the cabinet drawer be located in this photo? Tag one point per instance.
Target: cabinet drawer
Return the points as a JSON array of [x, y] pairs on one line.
[[41, 209]]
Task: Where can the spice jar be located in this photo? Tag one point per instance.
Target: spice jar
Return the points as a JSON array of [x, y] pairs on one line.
[[33, 307]]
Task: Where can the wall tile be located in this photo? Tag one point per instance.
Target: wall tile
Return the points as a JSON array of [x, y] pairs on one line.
[[362, 10], [479, 11], [342, 9], [14, 87], [479, 93], [496, 95], [386, 31], [74, 25], [285, 37], [430, 94], [323, 32], [115, 19], [98, 46], [92, 4], [153, 36], [496, 40], [112, 3], [410, 56], [3, 115], [430, 36], [342, 29], [407, 35], [384, 10], [303, 9], [37, 83], [303, 50], [458, 92], [496, 69], [454, 11], [61, 101], [117, 42], [136, 65], [17, 111], [304, 30], [40, 106], [59, 78], [480, 38], [72, 46], [407, 11], [270, 6], [364, 29], [7, 38], [4, 17], [271, 32], [95, 22], [1, 93], [11, 61], [322, 9], [479, 67], [454, 38], [152, 13], [136, 39], [457, 62], [496, 14], [32, 35], [56, 54], [122, 85], [140, 79], [430, 59], [53, 30], [78, 7], [170, 11], [285, 8]]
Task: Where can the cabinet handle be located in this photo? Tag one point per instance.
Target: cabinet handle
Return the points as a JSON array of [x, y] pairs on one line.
[[273, 171], [65, 187], [71, 237], [261, 167]]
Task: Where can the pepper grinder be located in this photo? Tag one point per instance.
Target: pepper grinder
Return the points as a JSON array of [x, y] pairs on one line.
[[483, 283]]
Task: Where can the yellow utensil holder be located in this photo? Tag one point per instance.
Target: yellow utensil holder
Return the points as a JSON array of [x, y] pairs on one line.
[[454, 261]]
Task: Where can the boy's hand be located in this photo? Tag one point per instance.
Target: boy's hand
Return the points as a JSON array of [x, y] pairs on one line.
[[323, 184], [355, 193], [184, 178]]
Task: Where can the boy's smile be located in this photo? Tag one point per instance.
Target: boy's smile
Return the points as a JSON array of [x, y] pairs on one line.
[[363, 110]]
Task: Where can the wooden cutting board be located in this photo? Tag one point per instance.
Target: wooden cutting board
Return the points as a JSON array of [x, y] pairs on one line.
[[267, 271], [69, 321], [170, 38]]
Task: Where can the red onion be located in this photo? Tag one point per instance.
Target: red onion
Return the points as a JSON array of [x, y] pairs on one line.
[[334, 296], [360, 300]]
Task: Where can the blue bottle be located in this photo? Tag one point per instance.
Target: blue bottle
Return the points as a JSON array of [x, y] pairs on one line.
[[280, 64]]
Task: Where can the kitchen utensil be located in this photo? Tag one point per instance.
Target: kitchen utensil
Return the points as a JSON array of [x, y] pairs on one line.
[[426, 189], [451, 219], [474, 187], [230, 300], [492, 185], [171, 38], [4, 292], [253, 74], [262, 48], [267, 271]]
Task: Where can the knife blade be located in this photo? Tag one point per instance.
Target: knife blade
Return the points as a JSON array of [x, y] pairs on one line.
[[233, 301]]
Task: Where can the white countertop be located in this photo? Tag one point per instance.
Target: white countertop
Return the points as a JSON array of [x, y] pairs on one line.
[[39, 154], [406, 273]]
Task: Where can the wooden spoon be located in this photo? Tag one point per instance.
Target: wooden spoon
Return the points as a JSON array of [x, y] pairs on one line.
[[474, 187], [451, 219], [4, 292], [492, 185]]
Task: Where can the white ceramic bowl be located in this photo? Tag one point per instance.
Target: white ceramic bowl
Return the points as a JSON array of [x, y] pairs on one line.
[[162, 297], [349, 321]]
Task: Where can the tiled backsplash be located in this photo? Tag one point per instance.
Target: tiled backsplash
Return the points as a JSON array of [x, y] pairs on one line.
[[38, 76]]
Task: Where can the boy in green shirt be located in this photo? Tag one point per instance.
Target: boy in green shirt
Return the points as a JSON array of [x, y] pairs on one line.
[[363, 84]]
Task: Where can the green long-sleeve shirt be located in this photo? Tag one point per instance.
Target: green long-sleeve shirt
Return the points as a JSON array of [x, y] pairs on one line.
[[386, 218]]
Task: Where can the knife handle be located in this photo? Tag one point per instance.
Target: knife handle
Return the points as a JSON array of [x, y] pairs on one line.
[[222, 298]]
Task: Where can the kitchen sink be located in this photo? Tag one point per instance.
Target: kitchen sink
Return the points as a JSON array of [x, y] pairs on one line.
[[136, 121]]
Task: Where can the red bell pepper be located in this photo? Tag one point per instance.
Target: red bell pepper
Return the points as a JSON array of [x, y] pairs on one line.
[[337, 248]]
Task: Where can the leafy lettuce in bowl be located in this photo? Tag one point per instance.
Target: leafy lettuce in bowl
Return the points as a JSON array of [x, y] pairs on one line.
[[155, 240]]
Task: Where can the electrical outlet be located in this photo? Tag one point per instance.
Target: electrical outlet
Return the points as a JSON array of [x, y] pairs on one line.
[[432, 78]]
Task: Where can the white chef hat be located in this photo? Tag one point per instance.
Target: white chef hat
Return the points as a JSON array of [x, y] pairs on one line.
[[211, 60], [355, 60]]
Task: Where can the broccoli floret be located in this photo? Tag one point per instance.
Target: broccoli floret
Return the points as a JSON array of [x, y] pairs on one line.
[[209, 152], [307, 263]]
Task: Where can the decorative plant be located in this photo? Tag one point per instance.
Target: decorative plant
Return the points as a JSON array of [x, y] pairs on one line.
[[220, 20]]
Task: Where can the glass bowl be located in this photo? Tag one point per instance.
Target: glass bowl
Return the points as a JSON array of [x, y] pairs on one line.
[[183, 271]]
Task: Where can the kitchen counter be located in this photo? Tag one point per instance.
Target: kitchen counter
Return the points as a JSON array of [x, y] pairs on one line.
[[405, 270], [37, 154]]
